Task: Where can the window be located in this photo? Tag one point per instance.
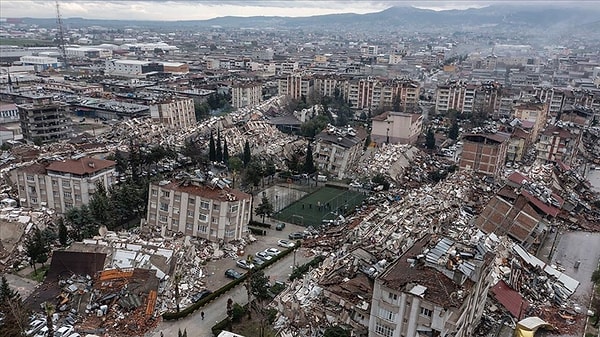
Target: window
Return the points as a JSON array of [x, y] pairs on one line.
[[192, 201], [215, 207], [54, 182], [78, 197], [166, 194], [177, 198], [233, 208], [30, 178], [230, 233], [164, 206], [68, 205], [215, 220], [162, 218], [384, 330], [387, 315], [204, 204], [202, 217], [152, 217], [154, 192], [426, 312], [34, 200], [175, 224], [202, 228], [191, 213], [67, 195], [392, 296], [66, 183], [189, 226]]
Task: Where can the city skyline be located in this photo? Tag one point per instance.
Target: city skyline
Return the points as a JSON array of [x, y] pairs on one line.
[[188, 10]]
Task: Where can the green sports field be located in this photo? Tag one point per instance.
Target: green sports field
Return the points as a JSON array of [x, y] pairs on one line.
[[323, 204]]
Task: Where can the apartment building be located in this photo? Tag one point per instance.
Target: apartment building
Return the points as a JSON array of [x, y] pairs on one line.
[[338, 149], [176, 112], [557, 144], [8, 113], [469, 98], [63, 184], [394, 127], [211, 211], [246, 94], [44, 120], [125, 67], [373, 93], [295, 86], [436, 288], [533, 111], [484, 153]]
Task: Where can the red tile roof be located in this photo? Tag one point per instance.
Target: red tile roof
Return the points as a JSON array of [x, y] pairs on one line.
[[517, 177], [510, 299], [80, 166], [547, 209]]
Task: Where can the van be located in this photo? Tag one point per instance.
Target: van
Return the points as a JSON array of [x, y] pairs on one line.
[[320, 178]]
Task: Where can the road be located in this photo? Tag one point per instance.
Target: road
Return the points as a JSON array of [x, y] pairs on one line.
[[215, 311]]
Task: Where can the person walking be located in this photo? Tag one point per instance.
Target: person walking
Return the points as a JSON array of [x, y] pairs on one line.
[[202, 315]]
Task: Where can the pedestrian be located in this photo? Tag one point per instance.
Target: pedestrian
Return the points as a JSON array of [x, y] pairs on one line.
[[202, 315], [161, 334]]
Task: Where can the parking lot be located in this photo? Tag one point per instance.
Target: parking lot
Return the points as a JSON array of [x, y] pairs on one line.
[[216, 269]]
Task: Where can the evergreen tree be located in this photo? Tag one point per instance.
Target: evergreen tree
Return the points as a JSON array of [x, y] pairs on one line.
[[37, 249], [247, 154], [212, 155], [100, 206], [264, 208], [15, 316], [453, 132], [62, 232], [309, 165], [219, 154], [225, 152], [430, 139]]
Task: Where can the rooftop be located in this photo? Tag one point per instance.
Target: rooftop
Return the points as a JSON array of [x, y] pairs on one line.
[[207, 191], [80, 166]]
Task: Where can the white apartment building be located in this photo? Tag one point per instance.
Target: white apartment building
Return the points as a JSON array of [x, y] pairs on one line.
[[61, 185], [396, 127], [177, 112], [420, 295], [246, 94], [210, 211], [295, 86], [338, 149]]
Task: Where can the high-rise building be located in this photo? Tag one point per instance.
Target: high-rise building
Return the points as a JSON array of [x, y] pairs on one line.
[[44, 120], [484, 153], [177, 112], [246, 94]]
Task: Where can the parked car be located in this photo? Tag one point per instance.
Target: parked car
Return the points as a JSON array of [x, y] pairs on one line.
[[285, 243], [35, 326], [233, 274], [296, 236], [264, 256], [257, 261], [244, 264], [197, 297], [64, 331], [273, 251], [280, 226]]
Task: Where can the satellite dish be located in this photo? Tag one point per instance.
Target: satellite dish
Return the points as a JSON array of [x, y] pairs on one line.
[[102, 231]]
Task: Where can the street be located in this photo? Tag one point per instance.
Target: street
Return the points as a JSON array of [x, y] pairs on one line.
[[214, 312]]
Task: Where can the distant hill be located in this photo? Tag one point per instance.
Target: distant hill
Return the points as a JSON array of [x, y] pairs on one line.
[[535, 18]]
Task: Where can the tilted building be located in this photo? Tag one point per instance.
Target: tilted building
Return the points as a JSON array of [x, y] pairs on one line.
[[484, 153], [392, 127], [175, 112]]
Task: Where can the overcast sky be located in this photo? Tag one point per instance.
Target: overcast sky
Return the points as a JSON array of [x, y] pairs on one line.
[[206, 9]]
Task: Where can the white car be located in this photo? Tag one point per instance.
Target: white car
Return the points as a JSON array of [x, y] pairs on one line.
[[64, 331], [244, 264], [273, 251], [35, 326], [264, 256], [285, 243]]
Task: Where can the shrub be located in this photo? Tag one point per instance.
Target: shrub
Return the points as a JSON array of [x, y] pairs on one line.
[[303, 269], [257, 231], [259, 224], [238, 312], [222, 325]]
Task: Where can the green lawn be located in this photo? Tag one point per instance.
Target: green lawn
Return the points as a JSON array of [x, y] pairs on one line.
[[320, 205]]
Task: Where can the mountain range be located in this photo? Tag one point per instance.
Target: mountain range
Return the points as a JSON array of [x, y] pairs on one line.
[[540, 18]]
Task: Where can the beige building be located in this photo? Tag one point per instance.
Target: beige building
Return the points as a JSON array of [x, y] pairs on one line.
[[420, 295], [394, 127], [533, 112], [64, 184], [295, 86], [246, 94], [210, 211], [175, 112]]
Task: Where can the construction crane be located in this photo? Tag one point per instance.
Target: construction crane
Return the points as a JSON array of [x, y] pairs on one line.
[[61, 37]]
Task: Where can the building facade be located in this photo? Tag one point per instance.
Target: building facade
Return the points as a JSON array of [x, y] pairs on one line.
[[44, 120], [534, 112], [336, 150], [394, 127], [557, 144], [61, 185], [175, 112], [419, 295], [246, 94], [484, 153], [209, 211]]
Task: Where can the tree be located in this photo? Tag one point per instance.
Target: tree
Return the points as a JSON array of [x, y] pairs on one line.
[[62, 232], [81, 222], [49, 310], [396, 103], [247, 155], [309, 165], [253, 173], [15, 316], [264, 208], [336, 331], [260, 285], [177, 280], [100, 207], [36, 249], [225, 152], [453, 131], [235, 164], [219, 153], [430, 139], [367, 141], [212, 154]]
